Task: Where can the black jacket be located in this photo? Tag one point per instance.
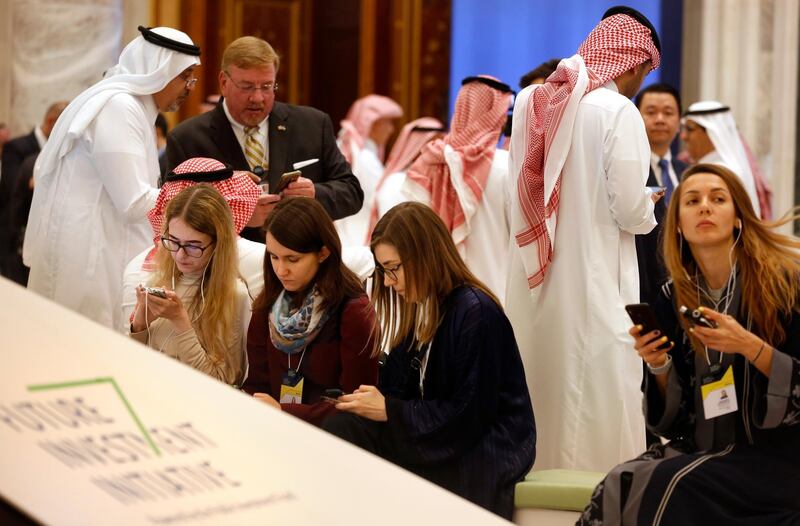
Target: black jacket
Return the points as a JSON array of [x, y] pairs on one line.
[[296, 133]]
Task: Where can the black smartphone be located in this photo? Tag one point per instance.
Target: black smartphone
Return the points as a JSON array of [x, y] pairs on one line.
[[642, 314], [331, 395], [286, 179]]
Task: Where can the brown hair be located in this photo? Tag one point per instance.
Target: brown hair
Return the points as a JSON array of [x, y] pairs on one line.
[[249, 52], [205, 210], [432, 269], [302, 224], [768, 262]]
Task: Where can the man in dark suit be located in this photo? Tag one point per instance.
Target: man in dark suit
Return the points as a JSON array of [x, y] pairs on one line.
[[251, 131], [15, 152], [660, 106]]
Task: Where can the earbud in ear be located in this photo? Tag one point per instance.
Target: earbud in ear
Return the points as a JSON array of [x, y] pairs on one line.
[[739, 224]]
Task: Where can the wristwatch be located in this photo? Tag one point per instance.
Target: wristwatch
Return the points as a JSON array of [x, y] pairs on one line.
[[663, 369]]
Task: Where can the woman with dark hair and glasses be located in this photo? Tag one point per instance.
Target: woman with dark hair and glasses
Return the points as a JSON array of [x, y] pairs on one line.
[[311, 336], [453, 404], [193, 308]]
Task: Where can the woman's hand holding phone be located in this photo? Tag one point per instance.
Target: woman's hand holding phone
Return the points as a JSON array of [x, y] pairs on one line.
[[170, 308], [651, 346]]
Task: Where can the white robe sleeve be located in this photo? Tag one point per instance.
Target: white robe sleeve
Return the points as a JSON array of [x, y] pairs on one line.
[[119, 155], [627, 155]]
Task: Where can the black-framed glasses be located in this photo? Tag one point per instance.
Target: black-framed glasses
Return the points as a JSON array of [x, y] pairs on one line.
[[267, 88], [193, 251], [388, 271]]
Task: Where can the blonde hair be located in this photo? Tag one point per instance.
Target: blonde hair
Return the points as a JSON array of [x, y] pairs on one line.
[[249, 52], [432, 268], [768, 262], [205, 210]]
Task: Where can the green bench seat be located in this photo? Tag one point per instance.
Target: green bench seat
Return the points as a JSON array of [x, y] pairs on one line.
[[557, 489]]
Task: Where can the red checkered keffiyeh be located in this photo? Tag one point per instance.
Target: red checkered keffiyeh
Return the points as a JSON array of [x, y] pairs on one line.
[[479, 115], [406, 148], [239, 191], [357, 125], [617, 44]]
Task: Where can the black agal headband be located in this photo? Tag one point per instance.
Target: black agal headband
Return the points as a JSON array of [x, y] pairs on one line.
[[160, 40], [201, 177], [496, 84]]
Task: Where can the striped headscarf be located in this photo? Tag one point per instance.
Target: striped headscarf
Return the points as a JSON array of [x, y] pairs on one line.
[[236, 187], [480, 112], [621, 41], [357, 125], [407, 147]]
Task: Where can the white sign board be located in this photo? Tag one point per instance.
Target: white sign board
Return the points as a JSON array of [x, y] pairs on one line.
[[97, 429]]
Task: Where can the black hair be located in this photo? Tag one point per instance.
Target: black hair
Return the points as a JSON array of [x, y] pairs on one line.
[[543, 70], [659, 87]]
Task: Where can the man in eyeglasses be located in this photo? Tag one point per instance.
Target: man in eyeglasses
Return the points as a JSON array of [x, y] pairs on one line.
[[250, 130], [95, 179]]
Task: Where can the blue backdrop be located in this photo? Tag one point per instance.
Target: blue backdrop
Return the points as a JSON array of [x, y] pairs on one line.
[[508, 38]]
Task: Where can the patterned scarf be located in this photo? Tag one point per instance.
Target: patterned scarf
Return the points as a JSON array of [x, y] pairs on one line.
[[291, 330]]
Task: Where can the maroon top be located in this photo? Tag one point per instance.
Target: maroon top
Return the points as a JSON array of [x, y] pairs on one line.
[[339, 357]]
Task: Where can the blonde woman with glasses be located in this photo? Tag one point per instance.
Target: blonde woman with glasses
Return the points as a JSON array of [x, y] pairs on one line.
[[193, 307]]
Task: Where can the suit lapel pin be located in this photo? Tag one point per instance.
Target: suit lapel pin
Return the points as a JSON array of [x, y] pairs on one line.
[[281, 127]]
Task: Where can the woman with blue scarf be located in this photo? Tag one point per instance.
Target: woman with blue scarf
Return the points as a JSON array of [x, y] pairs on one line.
[[312, 328]]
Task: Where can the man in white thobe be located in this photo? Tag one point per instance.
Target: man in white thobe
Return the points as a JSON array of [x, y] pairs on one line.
[[95, 179], [365, 131], [463, 178], [711, 136], [406, 149], [579, 159]]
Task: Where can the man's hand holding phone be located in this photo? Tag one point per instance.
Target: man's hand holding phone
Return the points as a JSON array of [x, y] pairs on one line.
[[300, 187], [657, 192]]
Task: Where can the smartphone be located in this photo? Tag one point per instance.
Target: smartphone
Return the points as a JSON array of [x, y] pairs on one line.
[[156, 291], [286, 179], [642, 314], [331, 395], [694, 317]]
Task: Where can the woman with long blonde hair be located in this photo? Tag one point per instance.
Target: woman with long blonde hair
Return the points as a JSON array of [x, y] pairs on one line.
[[722, 354], [193, 307], [453, 405]]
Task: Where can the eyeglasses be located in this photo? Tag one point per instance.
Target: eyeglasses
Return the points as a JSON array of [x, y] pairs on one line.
[[190, 81], [385, 271], [267, 88], [193, 251]]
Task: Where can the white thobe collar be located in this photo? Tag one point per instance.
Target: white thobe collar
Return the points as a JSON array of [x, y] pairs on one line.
[[40, 138], [611, 85], [150, 109]]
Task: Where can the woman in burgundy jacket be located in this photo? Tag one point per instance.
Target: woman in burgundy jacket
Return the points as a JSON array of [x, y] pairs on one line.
[[312, 328]]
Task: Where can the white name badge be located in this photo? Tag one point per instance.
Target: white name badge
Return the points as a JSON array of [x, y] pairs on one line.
[[719, 398]]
